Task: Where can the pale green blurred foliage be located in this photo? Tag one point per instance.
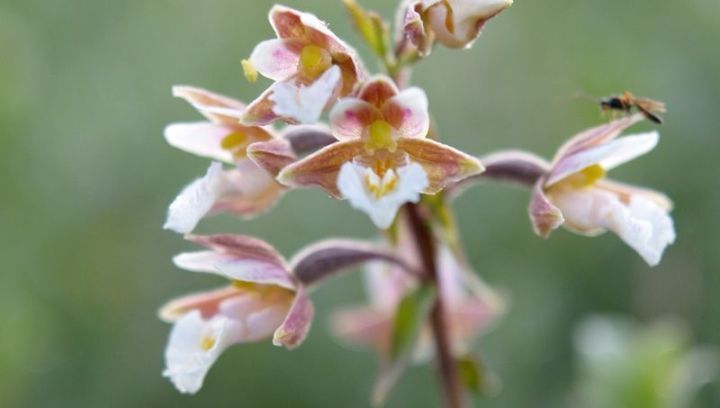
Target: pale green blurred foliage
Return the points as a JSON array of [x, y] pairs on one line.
[[86, 178], [623, 364]]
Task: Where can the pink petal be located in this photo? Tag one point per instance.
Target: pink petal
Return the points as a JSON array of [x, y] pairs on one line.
[[362, 326], [294, 329], [240, 247], [206, 302], [260, 111], [544, 215], [277, 59], [291, 23], [608, 155], [408, 113], [350, 117], [322, 167], [272, 155], [596, 136], [443, 164], [377, 90], [217, 108], [200, 138]]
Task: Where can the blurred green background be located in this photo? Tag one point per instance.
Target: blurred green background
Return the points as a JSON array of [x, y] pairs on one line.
[[86, 178]]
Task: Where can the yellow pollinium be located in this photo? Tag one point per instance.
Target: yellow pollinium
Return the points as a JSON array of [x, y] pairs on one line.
[[587, 176], [251, 73], [314, 60], [380, 136], [236, 143]]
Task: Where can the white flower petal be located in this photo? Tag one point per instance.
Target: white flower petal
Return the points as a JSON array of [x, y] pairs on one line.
[[193, 347], [642, 224], [200, 261], [660, 224], [305, 104], [352, 183], [200, 138], [195, 200]]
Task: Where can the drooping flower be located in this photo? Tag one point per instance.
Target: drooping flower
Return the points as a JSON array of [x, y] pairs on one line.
[[262, 300], [245, 190], [309, 64], [576, 194], [453, 23], [470, 306], [469, 313], [382, 158]]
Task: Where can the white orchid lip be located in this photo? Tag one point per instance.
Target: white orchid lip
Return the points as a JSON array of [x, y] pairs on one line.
[[381, 196], [195, 200]]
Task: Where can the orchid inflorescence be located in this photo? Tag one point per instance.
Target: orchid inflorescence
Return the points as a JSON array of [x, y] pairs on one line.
[[376, 151]]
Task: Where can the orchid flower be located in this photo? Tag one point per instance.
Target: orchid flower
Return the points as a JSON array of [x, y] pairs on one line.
[[263, 299], [382, 158], [309, 64], [576, 194], [453, 23], [245, 190], [468, 312]]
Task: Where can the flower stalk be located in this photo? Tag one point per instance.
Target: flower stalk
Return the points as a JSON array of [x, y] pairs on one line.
[[447, 366]]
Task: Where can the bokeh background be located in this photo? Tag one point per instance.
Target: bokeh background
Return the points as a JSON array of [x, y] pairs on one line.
[[86, 178]]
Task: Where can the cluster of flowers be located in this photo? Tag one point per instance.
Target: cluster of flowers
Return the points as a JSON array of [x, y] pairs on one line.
[[376, 152]]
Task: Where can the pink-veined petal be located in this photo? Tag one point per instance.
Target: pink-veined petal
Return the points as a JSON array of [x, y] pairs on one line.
[[206, 302], [200, 138], [290, 23], [545, 217], [607, 155], [378, 90], [351, 116], [443, 164], [596, 136], [240, 247], [294, 24], [272, 156], [277, 59], [322, 167], [217, 108], [296, 325], [260, 111], [408, 113]]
